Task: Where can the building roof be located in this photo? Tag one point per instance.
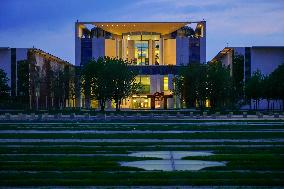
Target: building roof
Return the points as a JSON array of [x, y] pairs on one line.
[[221, 54], [43, 53], [125, 27]]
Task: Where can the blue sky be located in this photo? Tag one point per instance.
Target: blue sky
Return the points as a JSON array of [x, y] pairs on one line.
[[49, 24]]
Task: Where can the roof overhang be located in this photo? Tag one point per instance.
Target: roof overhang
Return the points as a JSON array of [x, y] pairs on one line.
[[221, 54], [127, 27]]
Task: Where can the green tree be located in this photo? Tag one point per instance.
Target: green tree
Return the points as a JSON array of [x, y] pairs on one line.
[[190, 84], [97, 81], [277, 78], [23, 81], [108, 79], [219, 85], [267, 90], [4, 87], [123, 80], [238, 78], [254, 88]]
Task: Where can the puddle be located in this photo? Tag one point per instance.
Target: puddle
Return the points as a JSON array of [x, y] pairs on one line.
[[168, 155], [172, 161], [166, 165]]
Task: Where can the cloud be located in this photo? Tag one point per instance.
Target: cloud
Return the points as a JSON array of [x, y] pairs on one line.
[[50, 26]]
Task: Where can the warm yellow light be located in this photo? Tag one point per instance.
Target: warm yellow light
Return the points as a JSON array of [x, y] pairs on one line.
[[166, 83], [107, 25]]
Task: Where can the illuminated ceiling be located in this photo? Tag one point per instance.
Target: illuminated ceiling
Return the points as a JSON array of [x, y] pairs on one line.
[[125, 27]]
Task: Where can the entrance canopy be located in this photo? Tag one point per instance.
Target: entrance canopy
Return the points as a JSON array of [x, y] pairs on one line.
[[125, 27]]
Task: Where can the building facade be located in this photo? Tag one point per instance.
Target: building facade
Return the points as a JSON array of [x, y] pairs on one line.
[[34, 78], [155, 49], [263, 58]]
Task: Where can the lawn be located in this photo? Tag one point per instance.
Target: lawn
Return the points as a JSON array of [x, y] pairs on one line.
[[97, 163]]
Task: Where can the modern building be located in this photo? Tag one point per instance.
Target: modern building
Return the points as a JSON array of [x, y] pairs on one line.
[[155, 49], [28, 71], [263, 58]]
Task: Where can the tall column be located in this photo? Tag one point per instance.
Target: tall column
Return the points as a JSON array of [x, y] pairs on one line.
[[108, 104], [161, 83], [159, 87], [161, 51], [171, 88], [153, 84], [178, 102], [150, 52], [124, 48], [77, 44]]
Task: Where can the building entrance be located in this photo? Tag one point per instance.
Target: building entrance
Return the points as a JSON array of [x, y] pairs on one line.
[[140, 102]]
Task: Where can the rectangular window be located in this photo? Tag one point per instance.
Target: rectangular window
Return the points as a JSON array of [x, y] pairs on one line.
[[166, 83], [145, 82]]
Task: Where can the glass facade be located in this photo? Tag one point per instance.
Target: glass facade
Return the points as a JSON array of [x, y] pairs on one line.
[[143, 49], [141, 52]]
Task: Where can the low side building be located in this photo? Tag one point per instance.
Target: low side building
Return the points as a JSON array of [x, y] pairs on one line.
[[36, 78], [263, 58]]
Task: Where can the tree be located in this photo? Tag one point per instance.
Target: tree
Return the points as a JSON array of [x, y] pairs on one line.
[[238, 78], [267, 89], [108, 79], [254, 88], [23, 81], [277, 78], [123, 78], [4, 87], [190, 84], [97, 81], [219, 85]]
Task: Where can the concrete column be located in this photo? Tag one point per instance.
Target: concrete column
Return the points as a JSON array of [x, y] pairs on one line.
[[159, 83], [77, 44], [161, 49], [150, 51], [108, 104], [171, 88], [177, 102], [124, 48], [153, 84]]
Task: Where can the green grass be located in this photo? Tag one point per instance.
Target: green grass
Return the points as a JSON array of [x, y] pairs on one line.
[[27, 164], [243, 135], [143, 178]]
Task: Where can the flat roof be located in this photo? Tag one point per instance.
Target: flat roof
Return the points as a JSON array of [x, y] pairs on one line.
[[59, 60], [125, 27], [221, 54]]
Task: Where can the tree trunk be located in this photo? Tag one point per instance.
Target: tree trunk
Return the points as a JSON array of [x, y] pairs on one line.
[[268, 104], [102, 104], [117, 105]]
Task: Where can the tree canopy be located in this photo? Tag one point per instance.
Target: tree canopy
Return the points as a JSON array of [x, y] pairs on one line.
[[107, 79], [4, 87]]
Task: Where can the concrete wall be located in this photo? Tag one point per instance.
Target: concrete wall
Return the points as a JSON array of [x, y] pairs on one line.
[[266, 59], [110, 48], [170, 52], [98, 49], [203, 43], [182, 51]]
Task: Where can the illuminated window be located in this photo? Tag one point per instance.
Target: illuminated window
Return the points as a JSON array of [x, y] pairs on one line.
[[166, 83], [145, 82]]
